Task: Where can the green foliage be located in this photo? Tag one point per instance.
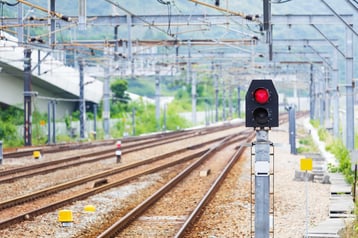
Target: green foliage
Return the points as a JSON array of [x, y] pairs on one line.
[[337, 148], [306, 145], [174, 121], [145, 120], [10, 118], [315, 123], [13, 114], [8, 135], [119, 88], [38, 131], [142, 86]]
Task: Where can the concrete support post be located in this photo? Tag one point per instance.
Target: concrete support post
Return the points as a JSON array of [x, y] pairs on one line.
[[335, 81], [223, 93], [327, 97], [49, 138], [52, 36], [54, 122], [82, 15], [230, 102], [349, 91], [20, 29], [239, 102], [262, 185], [94, 121], [130, 54], [188, 71], [133, 121], [157, 95], [27, 98], [165, 117], [193, 99], [292, 128], [82, 104], [106, 106], [116, 43], [38, 62], [216, 86], [312, 94], [1, 152], [321, 101]]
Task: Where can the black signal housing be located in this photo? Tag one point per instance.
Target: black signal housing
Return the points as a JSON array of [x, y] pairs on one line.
[[262, 104]]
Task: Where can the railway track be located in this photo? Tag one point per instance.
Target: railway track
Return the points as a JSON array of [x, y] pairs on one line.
[[102, 153], [186, 220], [155, 137], [195, 151]]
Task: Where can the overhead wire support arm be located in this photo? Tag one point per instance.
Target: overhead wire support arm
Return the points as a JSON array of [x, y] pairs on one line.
[[247, 17], [354, 6], [329, 41], [141, 19], [52, 13], [319, 55], [340, 18]]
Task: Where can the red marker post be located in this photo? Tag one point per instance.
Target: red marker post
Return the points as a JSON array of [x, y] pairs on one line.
[[118, 151]]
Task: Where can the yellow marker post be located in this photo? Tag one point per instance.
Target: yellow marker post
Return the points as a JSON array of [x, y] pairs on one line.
[[306, 165], [89, 208], [36, 154], [65, 217]]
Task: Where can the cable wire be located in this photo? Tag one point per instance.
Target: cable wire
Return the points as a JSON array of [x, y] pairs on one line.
[[169, 14], [9, 4], [281, 1]]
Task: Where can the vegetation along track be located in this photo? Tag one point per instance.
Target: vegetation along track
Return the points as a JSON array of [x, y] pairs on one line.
[[20, 216]]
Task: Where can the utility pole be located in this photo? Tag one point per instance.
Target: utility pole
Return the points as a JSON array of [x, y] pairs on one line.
[[157, 94], [216, 86], [106, 106], [54, 121], [27, 98], [82, 103], [193, 98]]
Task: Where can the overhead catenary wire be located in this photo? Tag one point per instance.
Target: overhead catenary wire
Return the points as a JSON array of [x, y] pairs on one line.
[[9, 4], [141, 19], [281, 1]]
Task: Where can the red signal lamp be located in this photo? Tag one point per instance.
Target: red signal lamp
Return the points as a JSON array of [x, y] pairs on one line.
[[261, 95], [262, 106]]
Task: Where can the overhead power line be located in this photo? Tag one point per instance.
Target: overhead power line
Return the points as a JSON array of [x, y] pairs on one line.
[[132, 14]]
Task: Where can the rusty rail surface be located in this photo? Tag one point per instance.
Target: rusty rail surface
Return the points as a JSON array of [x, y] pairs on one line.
[[123, 222]]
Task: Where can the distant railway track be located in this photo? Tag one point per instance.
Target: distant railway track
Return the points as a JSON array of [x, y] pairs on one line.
[[11, 175], [49, 149]]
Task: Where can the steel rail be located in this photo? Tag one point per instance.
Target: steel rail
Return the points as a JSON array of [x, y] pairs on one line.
[[69, 161], [60, 187], [118, 226], [93, 191], [195, 214]]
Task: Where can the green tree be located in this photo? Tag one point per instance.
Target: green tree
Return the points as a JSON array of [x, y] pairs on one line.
[[119, 88]]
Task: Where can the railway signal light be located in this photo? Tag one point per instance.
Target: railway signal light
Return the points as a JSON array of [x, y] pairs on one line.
[[261, 104]]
